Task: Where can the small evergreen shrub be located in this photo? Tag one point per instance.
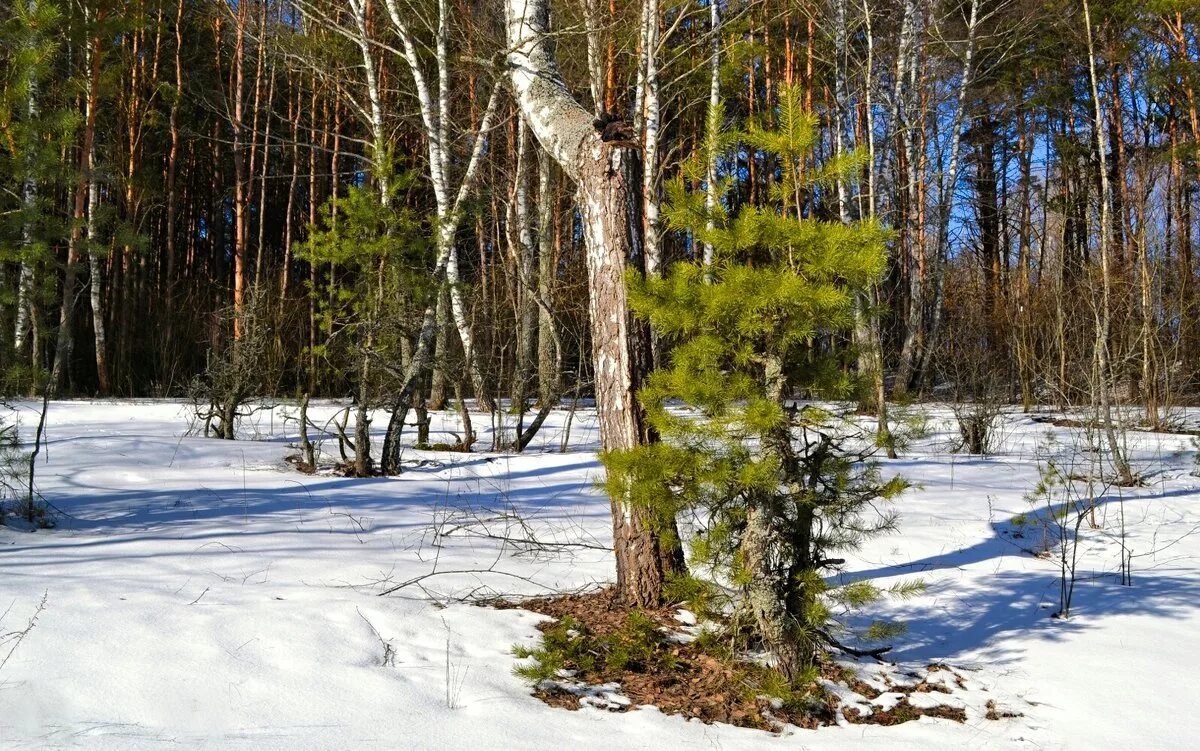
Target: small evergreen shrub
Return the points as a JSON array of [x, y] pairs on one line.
[[783, 486]]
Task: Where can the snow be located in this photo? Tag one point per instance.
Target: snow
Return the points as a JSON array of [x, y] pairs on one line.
[[203, 594]]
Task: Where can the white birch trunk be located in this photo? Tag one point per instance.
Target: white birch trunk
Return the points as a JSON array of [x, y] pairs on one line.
[[651, 125], [903, 115], [29, 194], [524, 252], [714, 100], [595, 55], [434, 116], [604, 172], [96, 280]]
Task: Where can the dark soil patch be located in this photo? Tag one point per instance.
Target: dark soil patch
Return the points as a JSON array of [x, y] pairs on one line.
[[687, 680], [996, 713], [904, 712]]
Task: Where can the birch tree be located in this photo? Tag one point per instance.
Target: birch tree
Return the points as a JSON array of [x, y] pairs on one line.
[[948, 181], [434, 102], [904, 120], [712, 189], [603, 165], [34, 18]]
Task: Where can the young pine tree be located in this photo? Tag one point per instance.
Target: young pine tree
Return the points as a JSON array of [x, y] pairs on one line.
[[376, 254], [783, 487]]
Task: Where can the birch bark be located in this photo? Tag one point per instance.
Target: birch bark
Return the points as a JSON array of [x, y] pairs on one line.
[[435, 114], [606, 173]]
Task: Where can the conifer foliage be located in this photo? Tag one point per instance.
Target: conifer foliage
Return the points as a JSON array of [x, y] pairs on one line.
[[782, 487]]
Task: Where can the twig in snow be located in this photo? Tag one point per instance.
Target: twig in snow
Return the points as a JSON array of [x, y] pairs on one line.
[[423, 577], [16, 637], [389, 652]]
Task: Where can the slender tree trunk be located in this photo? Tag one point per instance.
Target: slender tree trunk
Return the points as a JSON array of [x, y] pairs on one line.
[[168, 277], [418, 367], [651, 117], [711, 186], [524, 252], [904, 119], [868, 332], [438, 389], [549, 351], [240, 189], [595, 60], [435, 116], [946, 188], [29, 196], [1102, 309]]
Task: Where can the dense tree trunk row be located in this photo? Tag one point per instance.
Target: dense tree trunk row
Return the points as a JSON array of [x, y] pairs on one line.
[[1021, 152]]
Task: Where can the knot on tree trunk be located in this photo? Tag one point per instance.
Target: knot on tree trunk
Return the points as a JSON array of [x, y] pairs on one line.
[[615, 130]]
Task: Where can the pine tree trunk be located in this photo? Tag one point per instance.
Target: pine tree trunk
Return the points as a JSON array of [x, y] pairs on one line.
[[793, 652], [711, 188], [240, 189]]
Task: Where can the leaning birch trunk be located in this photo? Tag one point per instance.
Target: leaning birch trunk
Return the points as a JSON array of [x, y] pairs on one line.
[[423, 355], [607, 178], [435, 115]]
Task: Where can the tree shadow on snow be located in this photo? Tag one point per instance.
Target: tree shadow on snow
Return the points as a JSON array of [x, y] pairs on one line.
[[974, 615]]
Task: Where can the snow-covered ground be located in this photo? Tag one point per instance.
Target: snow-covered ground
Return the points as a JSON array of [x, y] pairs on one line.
[[203, 594]]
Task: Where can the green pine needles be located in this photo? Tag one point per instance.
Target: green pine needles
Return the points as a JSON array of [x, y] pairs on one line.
[[782, 487], [377, 252]]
